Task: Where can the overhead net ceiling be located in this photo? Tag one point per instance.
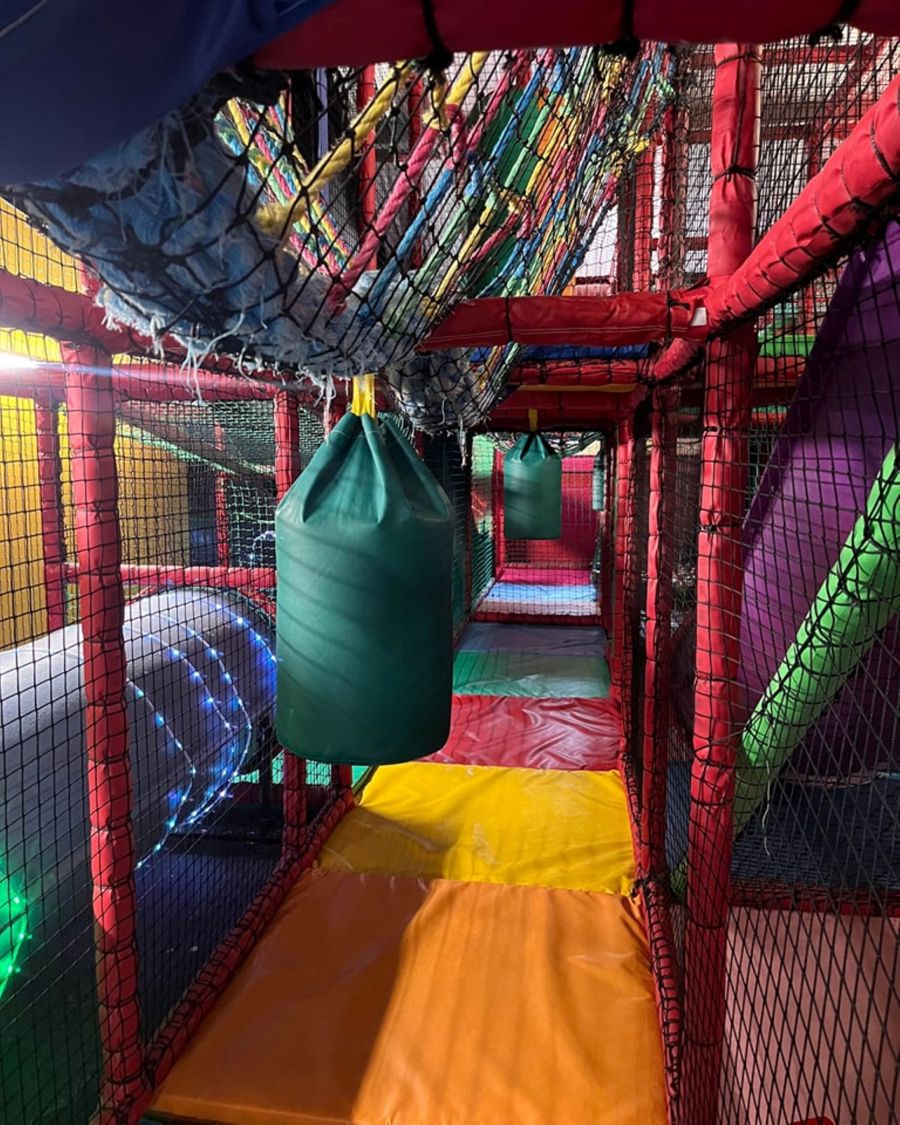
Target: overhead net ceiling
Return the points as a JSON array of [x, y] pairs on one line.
[[286, 221]]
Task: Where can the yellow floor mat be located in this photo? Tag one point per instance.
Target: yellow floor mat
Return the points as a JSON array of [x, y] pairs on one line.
[[390, 1001], [551, 828]]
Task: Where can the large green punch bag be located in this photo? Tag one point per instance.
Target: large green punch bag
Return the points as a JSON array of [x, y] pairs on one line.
[[364, 543], [532, 490]]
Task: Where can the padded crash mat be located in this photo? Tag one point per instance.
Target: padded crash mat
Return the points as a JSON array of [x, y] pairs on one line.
[[534, 674], [563, 734], [538, 599], [379, 1000], [549, 828], [563, 640]]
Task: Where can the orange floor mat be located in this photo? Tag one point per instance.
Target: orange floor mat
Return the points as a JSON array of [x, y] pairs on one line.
[[491, 824], [394, 1001]]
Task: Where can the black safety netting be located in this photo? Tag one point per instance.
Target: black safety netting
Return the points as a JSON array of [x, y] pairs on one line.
[[809, 661], [273, 220]]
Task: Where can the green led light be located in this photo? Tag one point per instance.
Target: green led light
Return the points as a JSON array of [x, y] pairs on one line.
[[13, 928]]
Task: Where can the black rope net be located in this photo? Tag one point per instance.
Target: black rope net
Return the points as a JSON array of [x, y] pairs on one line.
[[810, 992], [274, 221]]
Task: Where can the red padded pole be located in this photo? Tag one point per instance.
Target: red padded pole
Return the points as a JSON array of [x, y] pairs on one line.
[[368, 168], [623, 319], [642, 273], [498, 522], [730, 367], [53, 535], [658, 637], [673, 190], [223, 547], [607, 558], [287, 469], [620, 662], [92, 428], [247, 578]]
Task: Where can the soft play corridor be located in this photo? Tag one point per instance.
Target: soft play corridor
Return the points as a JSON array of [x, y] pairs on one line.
[[465, 951]]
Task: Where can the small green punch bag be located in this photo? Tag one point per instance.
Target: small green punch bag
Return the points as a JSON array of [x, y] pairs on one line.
[[532, 490], [364, 542]]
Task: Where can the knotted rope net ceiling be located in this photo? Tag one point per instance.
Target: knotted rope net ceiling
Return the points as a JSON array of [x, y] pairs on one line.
[[238, 224]]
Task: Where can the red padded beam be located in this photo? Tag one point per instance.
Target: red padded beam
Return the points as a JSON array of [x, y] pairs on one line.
[[585, 373], [642, 272], [368, 166], [833, 209], [730, 367], [33, 307], [627, 318], [233, 577], [356, 32], [92, 430]]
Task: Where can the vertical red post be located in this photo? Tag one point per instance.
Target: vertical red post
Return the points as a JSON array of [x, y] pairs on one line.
[[642, 272], [658, 635], [223, 546], [498, 521], [607, 557], [730, 367], [620, 662], [368, 168], [53, 535], [92, 429], [673, 192], [287, 469], [663, 465]]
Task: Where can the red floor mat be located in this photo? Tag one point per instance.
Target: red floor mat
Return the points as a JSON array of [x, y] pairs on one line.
[[562, 734]]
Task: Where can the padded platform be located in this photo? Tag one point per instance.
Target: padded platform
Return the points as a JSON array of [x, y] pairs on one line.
[[559, 640], [537, 599], [563, 734], [533, 674], [489, 824], [378, 1000]]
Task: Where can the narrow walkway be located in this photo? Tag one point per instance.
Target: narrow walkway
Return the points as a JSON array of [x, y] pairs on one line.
[[553, 595], [465, 953]]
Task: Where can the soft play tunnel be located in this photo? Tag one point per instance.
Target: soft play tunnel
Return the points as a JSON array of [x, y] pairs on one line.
[[201, 678]]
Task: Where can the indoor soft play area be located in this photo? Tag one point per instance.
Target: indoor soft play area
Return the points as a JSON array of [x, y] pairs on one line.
[[450, 563]]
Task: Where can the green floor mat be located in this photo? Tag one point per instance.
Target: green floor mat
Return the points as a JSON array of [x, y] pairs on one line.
[[536, 675]]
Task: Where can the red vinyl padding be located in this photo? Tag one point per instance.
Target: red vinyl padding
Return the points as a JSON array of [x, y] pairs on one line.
[[356, 32], [628, 318], [560, 734]]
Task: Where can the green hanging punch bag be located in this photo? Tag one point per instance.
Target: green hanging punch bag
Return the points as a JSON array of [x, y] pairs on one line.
[[532, 490], [364, 544]]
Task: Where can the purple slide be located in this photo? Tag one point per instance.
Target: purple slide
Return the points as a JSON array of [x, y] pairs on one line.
[[836, 434]]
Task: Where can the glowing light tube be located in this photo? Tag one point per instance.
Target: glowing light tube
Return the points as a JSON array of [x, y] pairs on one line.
[[201, 689]]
